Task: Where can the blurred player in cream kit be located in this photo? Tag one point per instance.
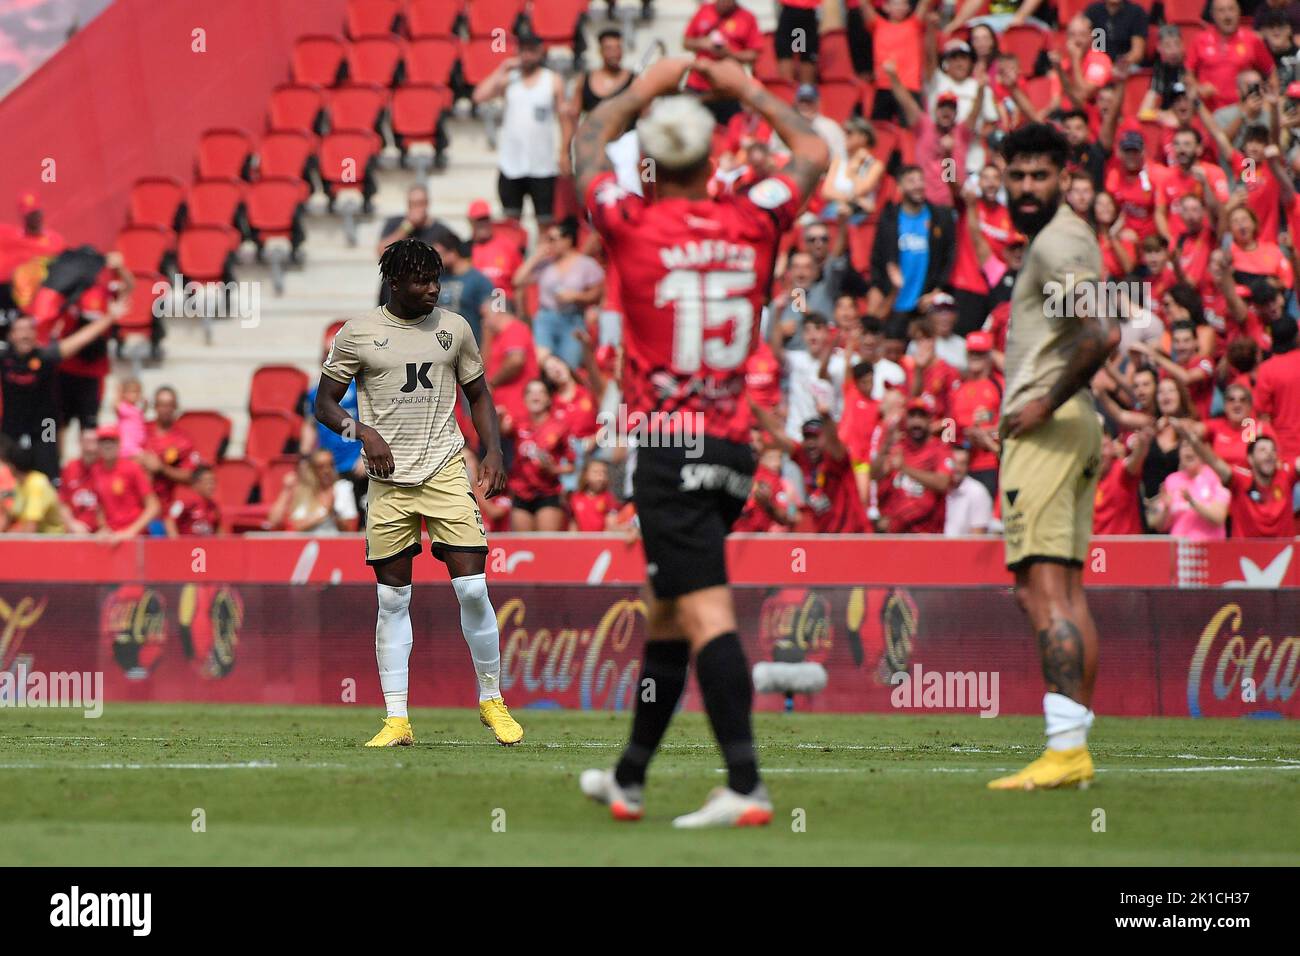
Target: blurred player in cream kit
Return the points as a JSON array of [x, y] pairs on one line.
[[1051, 445], [694, 275], [408, 357]]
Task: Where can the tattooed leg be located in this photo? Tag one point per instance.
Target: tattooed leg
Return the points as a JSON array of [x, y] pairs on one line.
[[1061, 648]]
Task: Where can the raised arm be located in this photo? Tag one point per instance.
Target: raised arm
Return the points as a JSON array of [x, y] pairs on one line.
[[496, 82], [906, 102], [810, 156], [774, 427], [1207, 455]]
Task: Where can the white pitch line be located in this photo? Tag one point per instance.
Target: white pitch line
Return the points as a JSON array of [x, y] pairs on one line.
[[248, 765]]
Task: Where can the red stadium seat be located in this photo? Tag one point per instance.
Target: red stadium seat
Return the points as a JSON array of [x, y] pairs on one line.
[[487, 16], [834, 62], [295, 106], [415, 112], [1067, 10], [868, 98], [357, 106], [1184, 12], [372, 18], [270, 480], [765, 70], [236, 479], [374, 60], [277, 388], [1026, 43], [224, 154], [478, 58], [209, 431], [269, 434], [556, 21], [214, 202], [344, 156], [155, 201], [839, 97], [432, 18], [139, 317], [317, 59], [203, 253], [1039, 91], [429, 61], [144, 248], [273, 207], [1135, 89], [286, 154]]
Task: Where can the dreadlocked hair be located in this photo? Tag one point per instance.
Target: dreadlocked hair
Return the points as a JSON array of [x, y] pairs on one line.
[[408, 259]]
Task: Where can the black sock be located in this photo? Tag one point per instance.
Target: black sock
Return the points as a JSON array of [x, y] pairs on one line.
[[729, 697], [666, 663]]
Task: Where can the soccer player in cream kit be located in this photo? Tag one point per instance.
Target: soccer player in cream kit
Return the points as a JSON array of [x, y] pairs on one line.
[[408, 357], [1051, 445]]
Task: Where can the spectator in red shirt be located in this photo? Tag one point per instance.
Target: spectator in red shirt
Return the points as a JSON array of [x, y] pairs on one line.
[[593, 506], [1116, 506], [511, 365], [1262, 504], [897, 38], [722, 30], [1133, 183], [542, 455], [913, 475], [975, 404], [1230, 435], [194, 510], [1223, 50], [496, 255], [1254, 258], [571, 403], [928, 374], [829, 488], [1277, 388], [858, 423], [1256, 174], [168, 455], [771, 506], [81, 513], [18, 244], [126, 499]]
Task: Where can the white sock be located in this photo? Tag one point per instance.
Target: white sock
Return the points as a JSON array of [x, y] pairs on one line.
[[478, 622], [1067, 722], [393, 646]]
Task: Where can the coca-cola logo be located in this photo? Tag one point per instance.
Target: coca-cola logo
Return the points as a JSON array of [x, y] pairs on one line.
[[1244, 674]]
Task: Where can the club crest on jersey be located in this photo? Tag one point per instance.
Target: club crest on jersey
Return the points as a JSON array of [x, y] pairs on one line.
[[444, 338], [770, 194], [378, 344], [609, 194]]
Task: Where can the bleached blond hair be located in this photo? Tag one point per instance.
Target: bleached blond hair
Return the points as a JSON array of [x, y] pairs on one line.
[[676, 133]]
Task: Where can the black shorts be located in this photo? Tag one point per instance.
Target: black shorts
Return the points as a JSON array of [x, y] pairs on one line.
[[541, 190], [79, 397], [534, 505], [794, 19], [885, 106], [972, 311], [686, 506]]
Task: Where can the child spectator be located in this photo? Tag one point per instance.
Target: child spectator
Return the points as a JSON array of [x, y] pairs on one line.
[[897, 39], [593, 506], [126, 499]]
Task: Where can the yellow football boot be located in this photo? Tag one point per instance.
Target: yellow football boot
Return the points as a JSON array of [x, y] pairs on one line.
[[395, 733], [1055, 769], [496, 717]]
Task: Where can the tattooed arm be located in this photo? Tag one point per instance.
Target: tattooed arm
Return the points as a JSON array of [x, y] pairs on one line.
[[809, 154], [1096, 341]]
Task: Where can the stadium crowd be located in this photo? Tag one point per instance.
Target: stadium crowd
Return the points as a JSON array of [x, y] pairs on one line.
[[876, 388]]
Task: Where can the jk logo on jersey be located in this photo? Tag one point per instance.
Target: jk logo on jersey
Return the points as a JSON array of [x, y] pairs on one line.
[[444, 339], [417, 375]]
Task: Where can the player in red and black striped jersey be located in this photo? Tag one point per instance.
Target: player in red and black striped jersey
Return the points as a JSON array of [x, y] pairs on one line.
[[694, 273]]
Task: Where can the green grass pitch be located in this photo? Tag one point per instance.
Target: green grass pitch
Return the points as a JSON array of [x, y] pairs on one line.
[[294, 786]]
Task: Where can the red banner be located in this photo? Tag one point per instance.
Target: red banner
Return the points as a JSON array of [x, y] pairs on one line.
[[796, 560], [1163, 652]]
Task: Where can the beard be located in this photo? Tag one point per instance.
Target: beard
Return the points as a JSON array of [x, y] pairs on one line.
[[1031, 221]]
